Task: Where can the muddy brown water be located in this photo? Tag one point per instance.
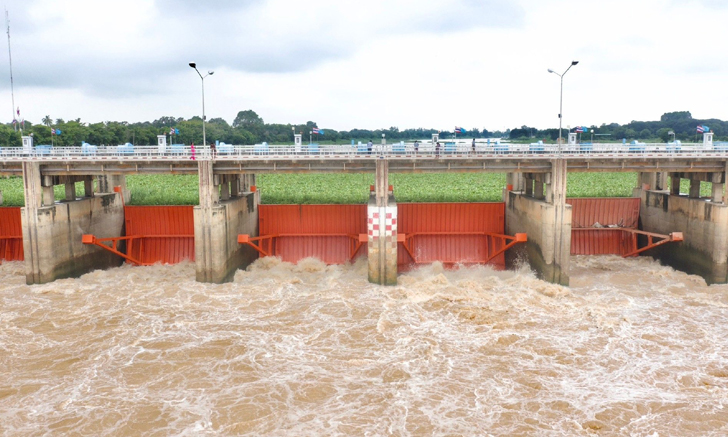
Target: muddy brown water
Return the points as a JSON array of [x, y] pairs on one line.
[[632, 348]]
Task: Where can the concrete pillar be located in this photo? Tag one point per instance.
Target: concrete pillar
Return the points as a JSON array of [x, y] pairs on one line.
[[382, 229], [647, 180], [694, 189], [704, 225], [529, 187], [516, 180], [225, 187], [717, 193], [217, 225], [548, 225], [661, 180], [108, 182], [88, 186], [675, 184], [235, 185], [538, 190], [52, 234], [70, 191]]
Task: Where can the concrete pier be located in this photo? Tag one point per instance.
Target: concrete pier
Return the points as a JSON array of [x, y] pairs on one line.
[[382, 229], [108, 182], [52, 231], [703, 222], [219, 221], [541, 211]]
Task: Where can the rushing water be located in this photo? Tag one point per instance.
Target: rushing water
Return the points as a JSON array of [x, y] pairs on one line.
[[631, 348]]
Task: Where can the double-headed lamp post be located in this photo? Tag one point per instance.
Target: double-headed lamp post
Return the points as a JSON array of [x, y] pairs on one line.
[[561, 96], [209, 73]]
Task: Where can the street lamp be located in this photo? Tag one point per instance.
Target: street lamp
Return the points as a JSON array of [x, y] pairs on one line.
[[561, 96], [209, 73]]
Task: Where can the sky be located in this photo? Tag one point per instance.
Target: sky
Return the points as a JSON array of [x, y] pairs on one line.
[[367, 64]]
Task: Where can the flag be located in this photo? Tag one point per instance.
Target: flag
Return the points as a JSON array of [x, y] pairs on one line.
[[53, 131], [171, 131], [58, 131], [459, 130], [702, 129], [581, 129], [176, 131], [317, 131]]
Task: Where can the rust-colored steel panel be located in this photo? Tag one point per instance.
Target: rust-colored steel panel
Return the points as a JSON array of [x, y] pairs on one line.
[[622, 212], [601, 242], [451, 219], [168, 233], [11, 234], [330, 223]]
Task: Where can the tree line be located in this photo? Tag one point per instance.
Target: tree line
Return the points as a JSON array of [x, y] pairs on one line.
[[249, 128], [678, 125]]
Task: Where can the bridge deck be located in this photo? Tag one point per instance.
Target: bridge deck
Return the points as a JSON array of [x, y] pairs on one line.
[[332, 159]]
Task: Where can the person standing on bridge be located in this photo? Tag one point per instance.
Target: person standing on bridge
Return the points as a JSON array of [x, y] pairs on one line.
[[473, 146], [437, 149], [417, 146], [369, 147], [192, 151]]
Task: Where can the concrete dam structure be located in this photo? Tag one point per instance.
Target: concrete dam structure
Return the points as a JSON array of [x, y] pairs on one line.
[[229, 228]]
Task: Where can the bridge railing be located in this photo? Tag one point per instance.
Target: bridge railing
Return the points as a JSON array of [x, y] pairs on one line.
[[423, 150]]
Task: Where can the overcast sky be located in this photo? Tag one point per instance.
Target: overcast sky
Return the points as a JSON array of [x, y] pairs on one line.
[[368, 64]]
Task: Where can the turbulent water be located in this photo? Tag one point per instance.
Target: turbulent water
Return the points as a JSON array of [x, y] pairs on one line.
[[631, 348]]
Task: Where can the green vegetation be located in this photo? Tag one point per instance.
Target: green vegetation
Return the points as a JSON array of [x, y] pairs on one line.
[[164, 189], [352, 188]]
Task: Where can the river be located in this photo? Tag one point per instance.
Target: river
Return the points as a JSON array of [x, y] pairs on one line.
[[632, 348]]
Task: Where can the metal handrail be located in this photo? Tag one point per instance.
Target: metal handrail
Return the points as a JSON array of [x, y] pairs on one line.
[[393, 151]]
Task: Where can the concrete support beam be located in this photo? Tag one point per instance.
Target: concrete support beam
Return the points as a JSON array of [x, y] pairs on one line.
[[548, 226], [217, 225], [704, 225], [382, 229], [529, 187], [52, 234], [647, 180]]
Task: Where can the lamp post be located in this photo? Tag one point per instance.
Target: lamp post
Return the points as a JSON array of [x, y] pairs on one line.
[[209, 73], [561, 96]]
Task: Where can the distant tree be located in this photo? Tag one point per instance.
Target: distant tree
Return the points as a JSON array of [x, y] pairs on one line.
[[247, 118]]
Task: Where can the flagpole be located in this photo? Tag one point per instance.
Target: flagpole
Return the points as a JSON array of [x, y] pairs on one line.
[[10, 59]]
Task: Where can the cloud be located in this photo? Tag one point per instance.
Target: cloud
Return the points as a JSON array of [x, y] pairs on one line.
[[133, 46]]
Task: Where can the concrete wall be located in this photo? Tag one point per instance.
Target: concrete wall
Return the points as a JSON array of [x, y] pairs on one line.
[[382, 241], [52, 237], [548, 248], [218, 255], [704, 225]]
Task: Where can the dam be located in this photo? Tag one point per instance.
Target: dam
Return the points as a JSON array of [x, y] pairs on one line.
[[229, 228]]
